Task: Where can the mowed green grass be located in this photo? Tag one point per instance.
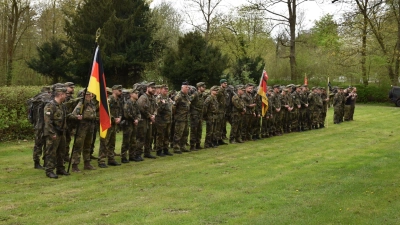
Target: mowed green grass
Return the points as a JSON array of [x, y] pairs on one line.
[[344, 174]]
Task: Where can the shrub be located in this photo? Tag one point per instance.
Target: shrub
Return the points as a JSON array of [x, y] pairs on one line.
[[14, 122]]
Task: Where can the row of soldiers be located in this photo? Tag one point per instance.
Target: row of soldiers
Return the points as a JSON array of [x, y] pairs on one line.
[[153, 118]]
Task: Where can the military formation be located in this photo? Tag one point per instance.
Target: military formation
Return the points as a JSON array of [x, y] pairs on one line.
[[156, 122]]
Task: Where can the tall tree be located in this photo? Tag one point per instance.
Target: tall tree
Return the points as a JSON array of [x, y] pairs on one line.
[[194, 61], [126, 38], [288, 19]]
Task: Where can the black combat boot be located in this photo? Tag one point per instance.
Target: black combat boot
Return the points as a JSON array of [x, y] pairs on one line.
[[166, 152], [160, 153], [37, 165]]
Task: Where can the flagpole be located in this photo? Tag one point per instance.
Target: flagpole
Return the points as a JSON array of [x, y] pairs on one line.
[[98, 33]]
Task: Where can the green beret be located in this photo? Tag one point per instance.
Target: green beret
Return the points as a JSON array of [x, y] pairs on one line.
[[223, 81]]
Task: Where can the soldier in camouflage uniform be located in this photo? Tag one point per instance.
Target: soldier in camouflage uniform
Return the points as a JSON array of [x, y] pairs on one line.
[[303, 109], [277, 112], [315, 102], [353, 103], [222, 104], [39, 102], [181, 116], [267, 128], [296, 109], [71, 126], [86, 115], [286, 107], [337, 101], [147, 107], [132, 117], [210, 114], [196, 116], [256, 123], [107, 145], [163, 121], [325, 102], [248, 100], [238, 110], [55, 124]]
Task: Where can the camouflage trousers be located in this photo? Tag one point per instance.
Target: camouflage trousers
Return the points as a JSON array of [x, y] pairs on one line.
[[295, 118], [83, 142], [310, 117], [303, 117], [128, 140], [55, 152], [256, 126], [196, 129], [247, 130], [69, 133], [210, 133], [352, 108], [286, 120], [316, 116], [107, 145], [40, 144], [347, 111], [267, 126], [236, 127], [144, 137], [163, 130], [220, 125], [181, 135], [322, 117], [336, 114], [278, 121]]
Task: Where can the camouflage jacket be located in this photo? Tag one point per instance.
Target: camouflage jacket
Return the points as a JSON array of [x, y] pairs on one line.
[[248, 100], [164, 109], [296, 99], [221, 98], [324, 96], [315, 101], [88, 112], [55, 119], [115, 108], [258, 100], [276, 102], [286, 100], [303, 100], [147, 106], [182, 107], [131, 111], [210, 108], [238, 105], [197, 102]]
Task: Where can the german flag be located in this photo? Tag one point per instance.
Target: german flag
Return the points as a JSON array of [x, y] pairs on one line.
[[262, 91], [97, 85]]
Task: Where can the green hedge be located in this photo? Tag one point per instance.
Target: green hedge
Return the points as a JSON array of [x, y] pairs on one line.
[[373, 94], [14, 122]]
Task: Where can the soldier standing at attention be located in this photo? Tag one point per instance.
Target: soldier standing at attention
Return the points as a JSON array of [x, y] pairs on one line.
[[238, 110], [196, 116], [222, 104], [163, 121], [249, 114], [276, 106], [182, 108], [71, 126], [336, 106], [325, 102], [109, 142], [147, 108], [296, 109], [210, 110], [303, 109], [85, 113], [132, 117], [55, 124], [353, 102]]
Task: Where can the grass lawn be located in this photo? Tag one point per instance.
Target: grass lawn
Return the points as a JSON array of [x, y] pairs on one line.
[[344, 174]]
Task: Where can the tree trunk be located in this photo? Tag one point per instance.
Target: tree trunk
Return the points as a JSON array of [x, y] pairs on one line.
[[292, 27], [364, 50]]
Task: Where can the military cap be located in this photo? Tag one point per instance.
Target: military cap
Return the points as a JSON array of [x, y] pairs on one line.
[[214, 88], [164, 86], [69, 84], [185, 83], [109, 90], [151, 84], [60, 89], [223, 81], [313, 88], [276, 86], [298, 85], [157, 86], [125, 90], [290, 85], [249, 85], [117, 87], [46, 88], [285, 89], [134, 90], [200, 84]]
